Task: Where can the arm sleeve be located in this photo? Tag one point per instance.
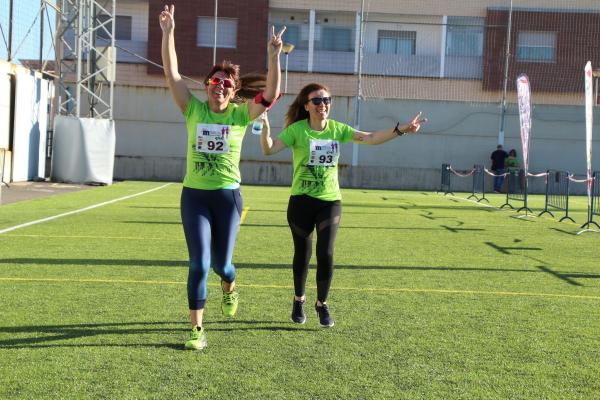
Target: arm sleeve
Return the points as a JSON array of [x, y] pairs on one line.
[[287, 137], [242, 115], [194, 107], [347, 133]]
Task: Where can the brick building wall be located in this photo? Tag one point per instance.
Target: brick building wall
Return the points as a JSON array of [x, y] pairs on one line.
[[251, 44], [577, 42]]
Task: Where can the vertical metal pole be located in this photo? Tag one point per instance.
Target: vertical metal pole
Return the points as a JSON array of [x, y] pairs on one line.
[[215, 42], [42, 11], [311, 39], [506, 59], [79, 51], [286, 71], [443, 46], [92, 57], [113, 59], [359, 87], [10, 29]]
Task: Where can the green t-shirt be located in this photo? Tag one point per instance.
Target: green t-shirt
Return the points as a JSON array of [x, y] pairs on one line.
[[214, 145], [316, 157], [511, 163]]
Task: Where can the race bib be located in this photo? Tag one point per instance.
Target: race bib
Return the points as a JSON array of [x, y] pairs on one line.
[[324, 153], [212, 138]]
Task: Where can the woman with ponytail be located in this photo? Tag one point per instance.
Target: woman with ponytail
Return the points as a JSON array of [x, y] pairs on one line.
[[315, 201], [211, 202]]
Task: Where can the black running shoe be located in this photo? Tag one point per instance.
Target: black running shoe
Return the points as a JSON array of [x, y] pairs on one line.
[[298, 312], [324, 317]]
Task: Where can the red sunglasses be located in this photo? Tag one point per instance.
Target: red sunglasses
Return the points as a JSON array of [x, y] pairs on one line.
[[227, 83]]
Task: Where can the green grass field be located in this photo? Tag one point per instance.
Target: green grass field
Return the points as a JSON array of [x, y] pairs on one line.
[[434, 297]]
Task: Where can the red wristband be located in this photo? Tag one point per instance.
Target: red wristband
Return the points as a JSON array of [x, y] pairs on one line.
[[259, 99]]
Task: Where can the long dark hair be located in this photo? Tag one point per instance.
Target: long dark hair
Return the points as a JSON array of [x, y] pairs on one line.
[[247, 86], [296, 110]]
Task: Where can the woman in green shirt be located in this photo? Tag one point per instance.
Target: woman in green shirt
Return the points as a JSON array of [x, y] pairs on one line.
[[511, 163], [211, 202], [315, 200]]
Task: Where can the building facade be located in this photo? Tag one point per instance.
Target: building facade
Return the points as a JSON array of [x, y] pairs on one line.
[[445, 59]]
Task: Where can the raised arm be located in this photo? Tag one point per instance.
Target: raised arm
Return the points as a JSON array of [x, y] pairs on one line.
[[380, 137], [268, 145], [271, 92], [177, 86]]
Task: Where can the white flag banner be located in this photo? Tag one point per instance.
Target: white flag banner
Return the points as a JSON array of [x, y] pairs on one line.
[[524, 99], [589, 121]]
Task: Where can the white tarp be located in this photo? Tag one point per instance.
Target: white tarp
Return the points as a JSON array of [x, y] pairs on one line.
[[83, 150], [31, 117]]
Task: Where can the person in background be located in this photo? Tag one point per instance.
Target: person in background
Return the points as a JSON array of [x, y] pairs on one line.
[[498, 158], [211, 202], [511, 162], [315, 201], [512, 166]]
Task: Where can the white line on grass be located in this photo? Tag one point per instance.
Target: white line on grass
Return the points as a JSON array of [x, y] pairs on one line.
[[244, 213], [39, 221], [405, 290]]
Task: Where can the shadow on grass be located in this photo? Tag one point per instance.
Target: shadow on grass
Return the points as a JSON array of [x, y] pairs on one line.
[[41, 334], [507, 250], [410, 228], [567, 277], [404, 206], [565, 232], [166, 263], [344, 212]]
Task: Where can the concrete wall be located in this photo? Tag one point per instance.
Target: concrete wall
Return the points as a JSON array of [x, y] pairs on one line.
[[151, 138]]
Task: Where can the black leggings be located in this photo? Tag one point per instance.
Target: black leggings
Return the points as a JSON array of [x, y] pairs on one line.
[[304, 214]]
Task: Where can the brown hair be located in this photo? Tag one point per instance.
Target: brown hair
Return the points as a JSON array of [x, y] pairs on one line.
[[246, 86], [296, 110]]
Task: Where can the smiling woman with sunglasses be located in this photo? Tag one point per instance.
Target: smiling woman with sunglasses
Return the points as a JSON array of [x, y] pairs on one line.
[[211, 202], [316, 199]]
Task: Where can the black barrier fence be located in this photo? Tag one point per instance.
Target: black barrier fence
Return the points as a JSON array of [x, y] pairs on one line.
[[478, 192], [446, 186], [516, 189], [594, 207], [596, 194], [557, 193]]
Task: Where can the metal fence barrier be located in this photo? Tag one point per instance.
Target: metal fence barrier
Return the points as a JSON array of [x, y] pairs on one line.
[[516, 189], [557, 193], [594, 208], [446, 186], [478, 183]]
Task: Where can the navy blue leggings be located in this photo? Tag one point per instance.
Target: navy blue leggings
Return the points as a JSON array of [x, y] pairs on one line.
[[210, 222]]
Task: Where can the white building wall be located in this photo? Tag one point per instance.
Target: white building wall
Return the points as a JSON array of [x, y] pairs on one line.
[[151, 140]]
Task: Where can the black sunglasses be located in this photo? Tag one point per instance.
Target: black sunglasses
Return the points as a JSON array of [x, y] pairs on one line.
[[318, 100]]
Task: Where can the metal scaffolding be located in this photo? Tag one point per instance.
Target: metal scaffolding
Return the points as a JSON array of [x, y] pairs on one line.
[[85, 56]]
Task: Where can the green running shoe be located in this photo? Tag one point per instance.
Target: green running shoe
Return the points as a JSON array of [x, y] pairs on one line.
[[229, 304], [197, 340]]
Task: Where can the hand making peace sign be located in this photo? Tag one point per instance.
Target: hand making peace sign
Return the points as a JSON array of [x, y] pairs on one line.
[[275, 43]]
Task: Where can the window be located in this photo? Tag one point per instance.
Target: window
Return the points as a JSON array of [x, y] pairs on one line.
[[402, 43], [464, 37], [122, 28], [335, 39], [226, 32], [291, 35], [536, 46]]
